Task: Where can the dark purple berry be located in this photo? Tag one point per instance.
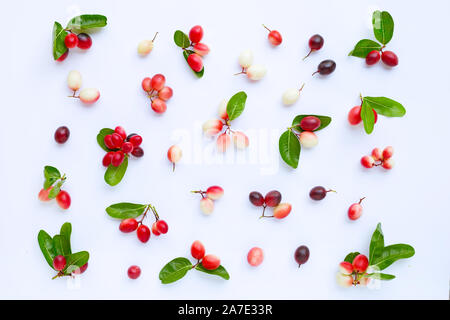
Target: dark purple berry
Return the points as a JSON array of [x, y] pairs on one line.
[[62, 134], [256, 198], [301, 255]]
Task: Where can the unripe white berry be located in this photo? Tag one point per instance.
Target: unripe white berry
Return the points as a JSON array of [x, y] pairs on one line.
[[240, 140], [89, 95], [206, 205], [145, 47], [290, 96], [256, 72], [308, 139], [223, 109], [74, 80], [344, 280], [246, 58]]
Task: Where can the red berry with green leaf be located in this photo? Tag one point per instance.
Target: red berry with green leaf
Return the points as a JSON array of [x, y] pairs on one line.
[[210, 262], [59, 263], [195, 62], [193, 50], [71, 40], [360, 263], [197, 250], [84, 41], [53, 183], [63, 200], [389, 58], [196, 34], [373, 57]]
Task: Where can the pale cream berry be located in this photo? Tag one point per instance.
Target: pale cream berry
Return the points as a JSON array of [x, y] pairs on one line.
[[344, 280], [206, 205], [74, 80], [308, 139], [145, 47], [290, 96], [223, 142], [212, 127], [246, 58], [256, 72], [240, 140], [223, 109], [89, 95]]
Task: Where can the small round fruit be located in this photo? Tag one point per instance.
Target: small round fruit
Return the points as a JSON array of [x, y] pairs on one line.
[[355, 211], [135, 140], [197, 250], [127, 147], [107, 159], [344, 280], [121, 131], [128, 225], [210, 262], [134, 272], [255, 256], [214, 192], [63, 56], [158, 81], [212, 127], [117, 158], [301, 255], [256, 72], [74, 80], [117, 140], [206, 205], [377, 155], [388, 164], [195, 62], [108, 141], [196, 34], [62, 134], [256, 198], [223, 109], [354, 115], [145, 47], [275, 38], [165, 93], [310, 123], [367, 162], [137, 152], [81, 269], [308, 139], [162, 226], [326, 67], [373, 57], [316, 42], [143, 233], [389, 58], [43, 194], [290, 96], [272, 198], [146, 84], [174, 154], [159, 105], [223, 142], [155, 229], [71, 40], [282, 210], [59, 262], [360, 263], [388, 152], [318, 193], [89, 95], [84, 41], [63, 199], [246, 58], [201, 49], [346, 268], [240, 140]]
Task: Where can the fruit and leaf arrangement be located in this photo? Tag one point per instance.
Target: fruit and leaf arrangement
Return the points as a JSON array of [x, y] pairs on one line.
[[144, 220]]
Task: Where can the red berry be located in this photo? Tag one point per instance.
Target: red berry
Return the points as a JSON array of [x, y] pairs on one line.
[[117, 140], [159, 106], [389, 58], [388, 152], [377, 155], [373, 57], [128, 225], [282, 210], [346, 268], [272, 198], [63, 199], [137, 152], [195, 62], [84, 41], [376, 116], [388, 164], [143, 233], [59, 262], [158, 81], [196, 34], [256, 198], [310, 123], [162, 226], [354, 115], [81, 269], [210, 262], [135, 140], [165, 93], [355, 211], [155, 229], [43, 194], [62, 134], [134, 272], [146, 84], [197, 250], [127, 147], [360, 263], [367, 162], [117, 158], [275, 37], [71, 40], [63, 56], [121, 131], [316, 42], [107, 159], [108, 141]]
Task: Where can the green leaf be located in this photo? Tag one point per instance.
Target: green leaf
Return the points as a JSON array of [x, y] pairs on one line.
[[181, 39], [390, 254], [47, 248], [383, 26], [75, 261], [101, 138], [186, 54], [380, 276], [236, 105], [175, 270], [87, 21], [220, 271], [289, 147], [55, 190], [49, 182], [368, 117], [114, 175], [66, 231], [376, 243], [59, 34], [324, 121], [385, 106], [51, 172], [363, 47], [125, 210], [61, 245], [351, 256]]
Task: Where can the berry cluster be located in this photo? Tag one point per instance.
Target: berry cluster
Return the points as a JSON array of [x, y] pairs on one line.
[[209, 261], [378, 158], [120, 145], [157, 92], [388, 57], [87, 95], [272, 200], [174, 155], [72, 40], [194, 59], [354, 115], [318, 193], [353, 273], [274, 37], [208, 197], [253, 71], [52, 188], [146, 46]]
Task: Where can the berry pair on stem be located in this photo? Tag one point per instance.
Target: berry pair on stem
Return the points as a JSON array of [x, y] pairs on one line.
[[157, 92], [389, 58], [253, 71], [307, 138], [379, 158], [353, 273], [52, 188], [87, 95], [60, 263], [120, 146], [272, 200], [208, 197], [209, 261], [72, 40]]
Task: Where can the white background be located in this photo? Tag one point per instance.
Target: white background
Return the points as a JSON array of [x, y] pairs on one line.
[[410, 200]]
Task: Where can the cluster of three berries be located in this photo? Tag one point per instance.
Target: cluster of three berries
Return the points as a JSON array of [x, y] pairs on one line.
[[143, 232], [120, 145], [272, 199], [82, 41]]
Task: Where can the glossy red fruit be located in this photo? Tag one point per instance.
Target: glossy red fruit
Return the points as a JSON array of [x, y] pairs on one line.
[[127, 147], [63, 56], [316, 42], [143, 233], [355, 211], [121, 131], [84, 41], [62, 134], [63, 199], [210, 262], [117, 140], [135, 140], [282, 210], [107, 159], [388, 152], [272, 198], [155, 229], [367, 162], [373, 57], [360, 263], [146, 84], [137, 152], [256, 198], [165, 93], [128, 225], [159, 105], [108, 141], [71, 40], [158, 81], [81, 269], [195, 62], [389, 58], [134, 272], [354, 115], [117, 158], [197, 250], [196, 34], [310, 123], [59, 262], [162, 226]]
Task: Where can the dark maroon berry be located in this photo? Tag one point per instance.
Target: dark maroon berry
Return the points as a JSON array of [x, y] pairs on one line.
[[318, 193], [389, 58], [137, 152], [62, 134], [272, 198], [326, 67], [256, 198], [373, 57], [84, 41], [310, 123], [131, 135], [301, 255], [63, 56], [315, 43]]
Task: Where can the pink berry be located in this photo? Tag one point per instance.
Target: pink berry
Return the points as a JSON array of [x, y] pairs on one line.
[[81, 269], [71, 40], [240, 140], [43, 194], [135, 140], [376, 154], [201, 49], [282, 210], [134, 272], [367, 162], [107, 159], [174, 154], [117, 158], [212, 127], [310, 123], [388, 152], [121, 131], [159, 106], [62, 134], [128, 225], [345, 268], [388, 164], [196, 34], [355, 210], [223, 142], [127, 147], [389, 58], [146, 84], [162, 226], [344, 280], [157, 82], [210, 262], [195, 62], [214, 192], [84, 41], [63, 199], [373, 57], [360, 263], [59, 262], [197, 250], [143, 233], [165, 93], [255, 256], [206, 205], [155, 229]]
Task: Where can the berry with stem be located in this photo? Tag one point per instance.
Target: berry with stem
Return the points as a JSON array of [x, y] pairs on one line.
[[272, 198], [355, 210], [301, 255], [197, 250], [146, 46], [389, 58], [134, 272], [290, 96], [196, 34], [174, 155], [255, 256], [210, 262], [360, 263], [274, 37], [325, 67], [81, 269], [143, 233], [315, 43], [214, 192], [319, 192], [59, 263], [62, 134], [84, 41]]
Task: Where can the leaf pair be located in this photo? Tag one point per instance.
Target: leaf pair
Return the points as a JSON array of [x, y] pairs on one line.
[[383, 29], [383, 106], [181, 39], [52, 175], [179, 267], [113, 175], [289, 144]]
